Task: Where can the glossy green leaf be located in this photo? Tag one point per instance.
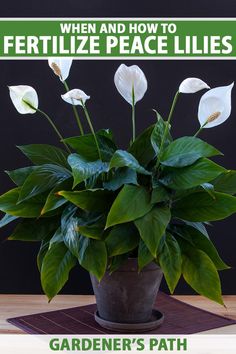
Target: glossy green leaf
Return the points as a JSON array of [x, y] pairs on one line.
[[88, 248], [202, 207], [152, 226], [199, 226], [202, 171], [41, 154], [55, 269], [122, 239], [131, 203], [226, 183], [120, 177], [170, 261], [34, 230], [159, 194], [83, 169], [200, 273], [122, 158], [54, 200], [144, 255], [142, 148], [19, 176], [185, 151], [200, 241], [42, 252], [158, 132], [28, 209], [43, 179], [90, 200], [7, 219], [86, 147]]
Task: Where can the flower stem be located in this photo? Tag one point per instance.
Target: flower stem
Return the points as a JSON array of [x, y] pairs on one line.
[[200, 129], [55, 128], [51, 123], [133, 116], [168, 121], [91, 128], [75, 111]]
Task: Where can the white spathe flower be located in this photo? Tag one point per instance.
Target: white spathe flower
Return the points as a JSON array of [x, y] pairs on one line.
[[24, 98], [129, 80], [75, 97], [61, 67], [215, 106], [192, 85]]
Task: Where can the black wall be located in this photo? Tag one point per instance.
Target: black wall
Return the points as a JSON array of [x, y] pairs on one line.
[[18, 270]]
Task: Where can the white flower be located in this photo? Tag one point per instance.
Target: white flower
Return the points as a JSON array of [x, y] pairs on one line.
[[75, 97], [24, 98], [129, 79], [192, 85], [60, 66], [215, 106]]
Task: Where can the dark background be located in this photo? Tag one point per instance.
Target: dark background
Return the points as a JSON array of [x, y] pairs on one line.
[[18, 270]]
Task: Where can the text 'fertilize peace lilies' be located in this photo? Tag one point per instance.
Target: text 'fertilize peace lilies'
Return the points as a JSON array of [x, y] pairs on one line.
[[90, 202]]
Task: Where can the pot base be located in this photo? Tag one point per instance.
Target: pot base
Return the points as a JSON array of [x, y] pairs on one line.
[[155, 321]]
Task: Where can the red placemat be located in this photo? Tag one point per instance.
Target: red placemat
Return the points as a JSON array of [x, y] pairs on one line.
[[180, 318]]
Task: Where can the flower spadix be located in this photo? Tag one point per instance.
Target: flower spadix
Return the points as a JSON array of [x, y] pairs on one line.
[[75, 97], [192, 85], [24, 98], [60, 66], [215, 106], [131, 83]]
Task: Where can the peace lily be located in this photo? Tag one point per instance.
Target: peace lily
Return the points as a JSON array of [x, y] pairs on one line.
[[75, 97], [131, 83], [24, 98], [61, 67], [215, 106], [192, 85]]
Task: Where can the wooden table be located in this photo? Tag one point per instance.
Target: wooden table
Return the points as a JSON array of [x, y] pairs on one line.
[[16, 305]]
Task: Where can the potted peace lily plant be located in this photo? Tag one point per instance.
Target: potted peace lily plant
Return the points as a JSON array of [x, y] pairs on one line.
[[127, 216]]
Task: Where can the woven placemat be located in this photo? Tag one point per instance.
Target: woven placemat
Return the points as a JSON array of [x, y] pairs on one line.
[[180, 318]]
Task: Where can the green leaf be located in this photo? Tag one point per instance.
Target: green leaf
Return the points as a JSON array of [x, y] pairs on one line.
[[55, 269], [122, 158], [42, 179], [54, 200], [142, 148], [131, 203], [199, 226], [200, 241], [41, 154], [86, 147], [202, 207], [185, 151], [122, 239], [226, 183], [158, 132], [152, 226], [93, 256], [42, 252], [90, 199], [200, 273], [200, 172], [19, 176], [159, 194], [120, 177], [83, 169], [116, 262], [34, 230], [7, 219], [144, 255], [170, 261], [27, 209], [209, 188]]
